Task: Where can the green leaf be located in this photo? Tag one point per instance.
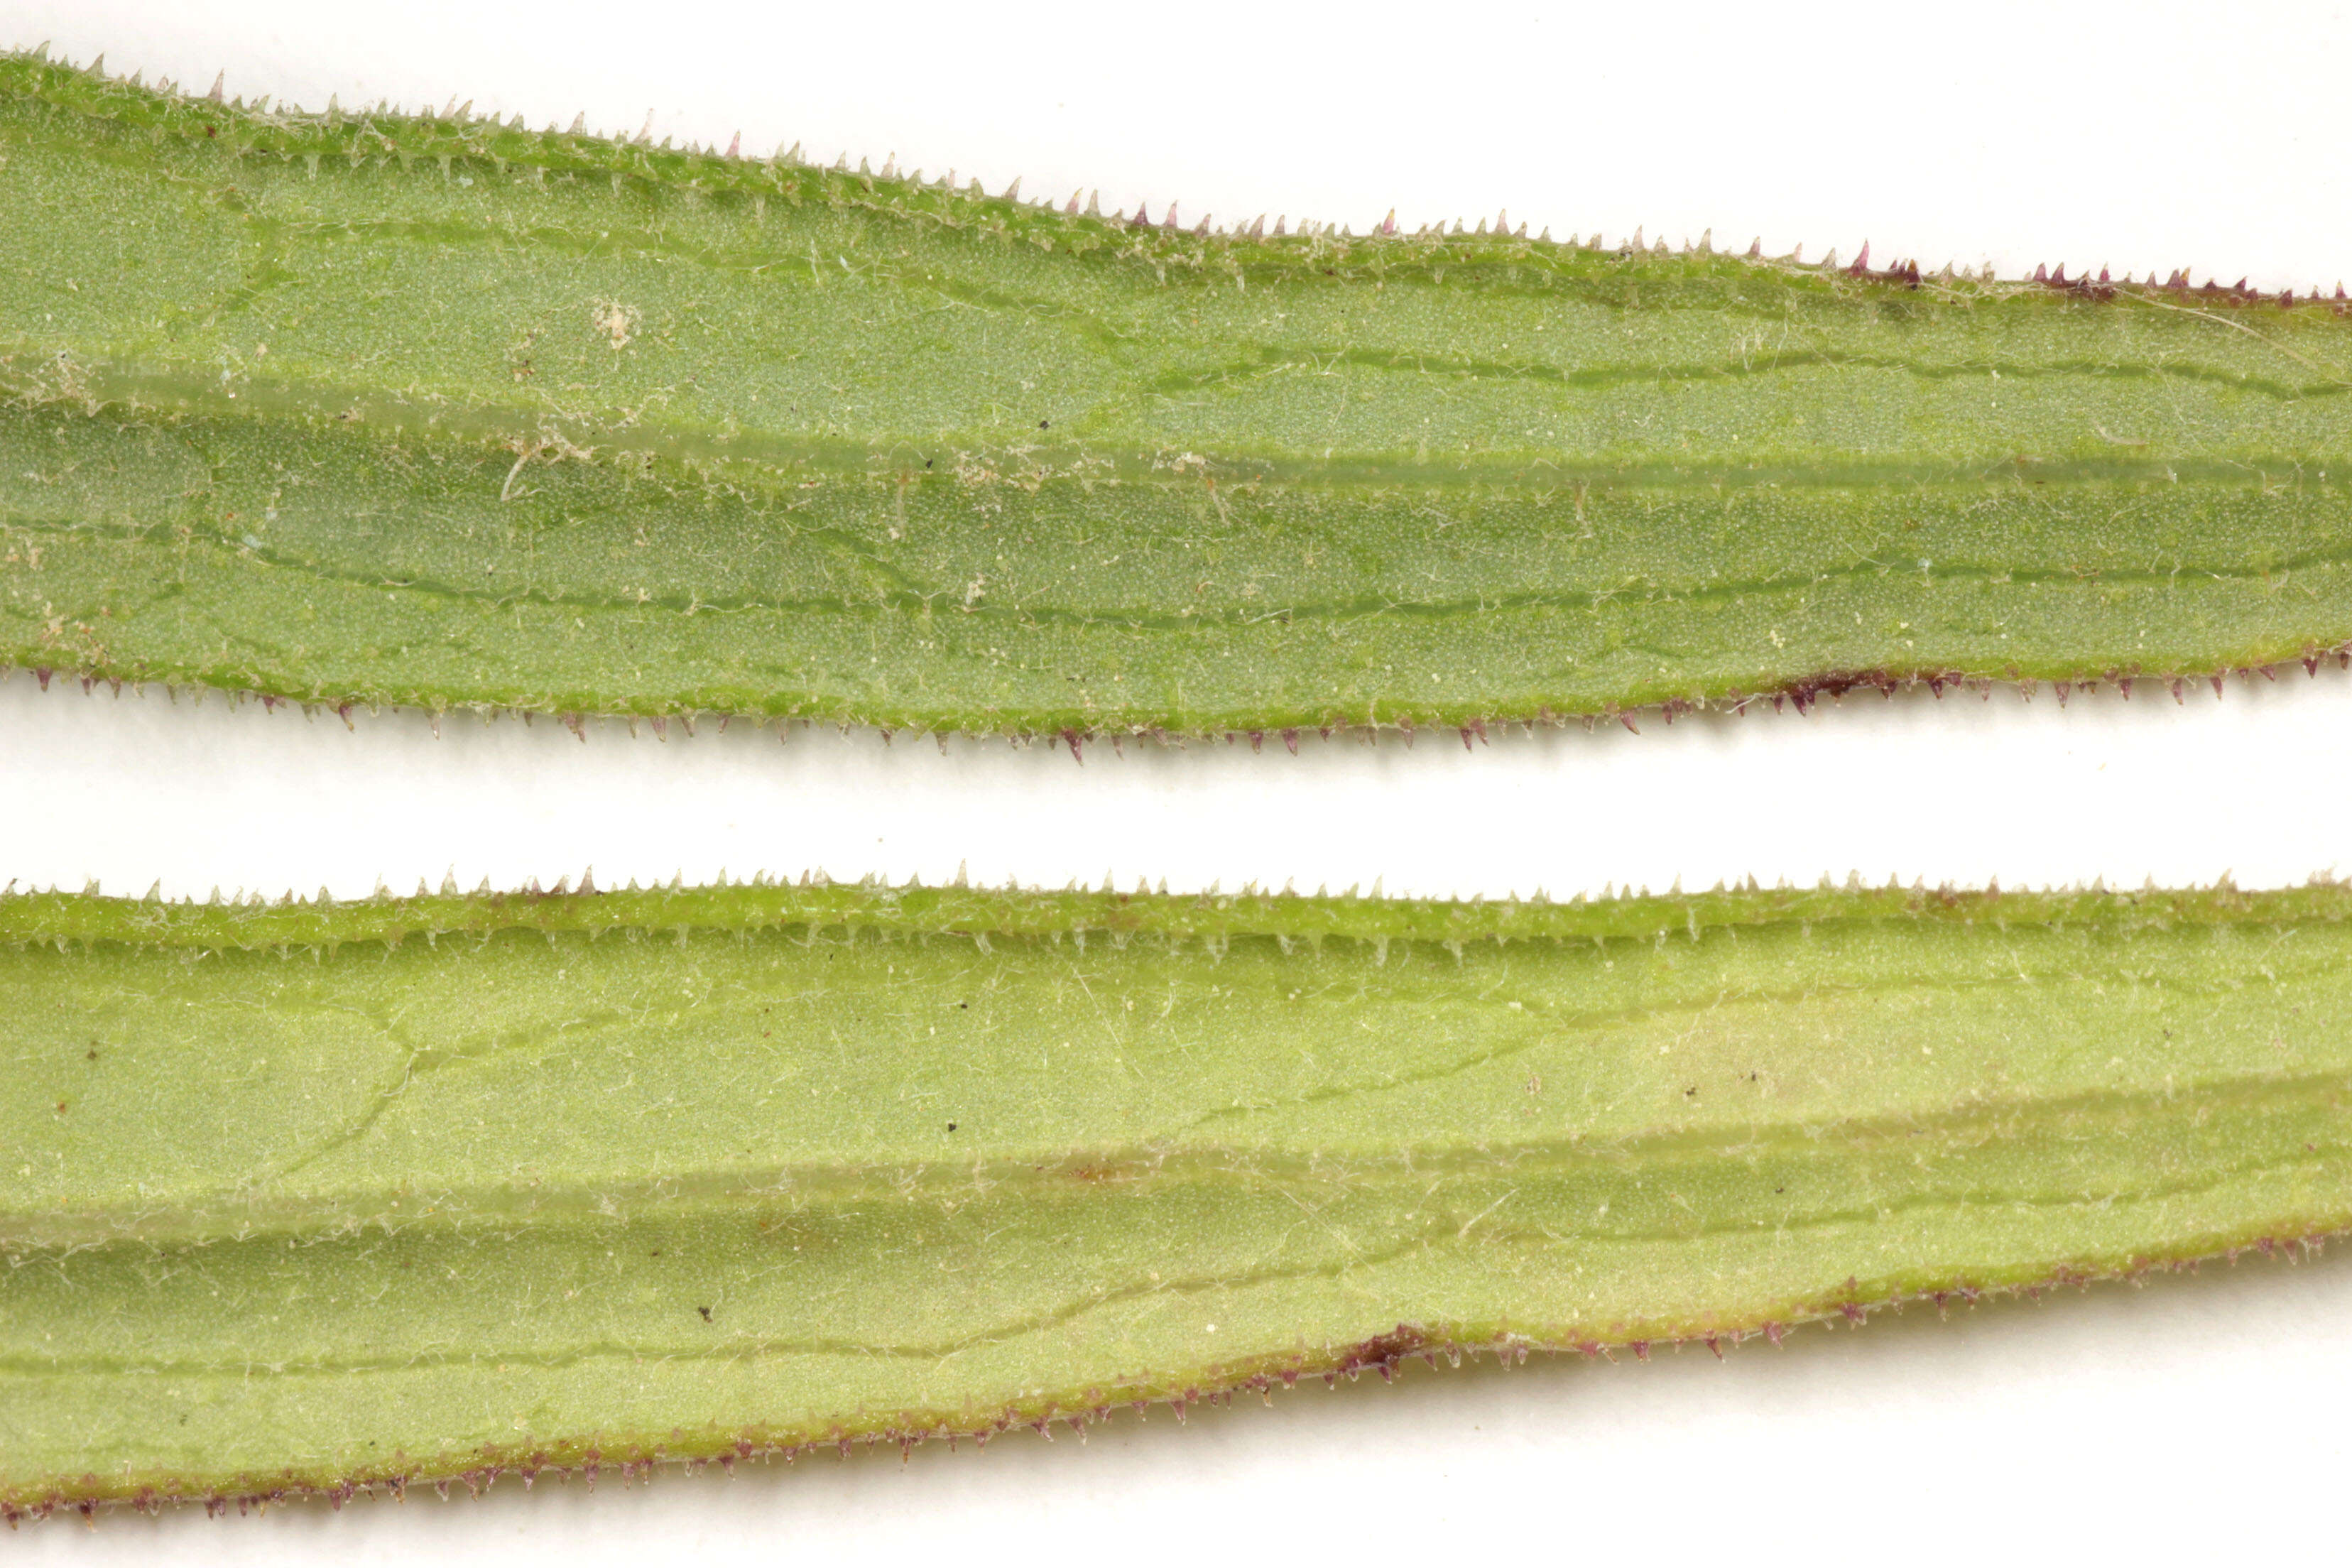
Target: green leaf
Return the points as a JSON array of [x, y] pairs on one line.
[[315, 1196], [443, 412]]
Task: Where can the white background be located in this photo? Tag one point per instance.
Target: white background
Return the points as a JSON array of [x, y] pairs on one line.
[[2198, 1414]]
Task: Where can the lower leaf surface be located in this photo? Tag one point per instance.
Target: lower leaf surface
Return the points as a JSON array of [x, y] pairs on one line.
[[310, 1196]]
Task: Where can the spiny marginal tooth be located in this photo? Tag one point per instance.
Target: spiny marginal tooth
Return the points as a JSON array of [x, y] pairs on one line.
[[841, 164], [891, 167], [1481, 226], [1756, 248], [1277, 225], [788, 154], [219, 82], [1546, 235], [1829, 262], [1502, 221], [1203, 226], [1094, 204], [1796, 254], [1706, 242], [1170, 221], [1636, 243], [1257, 229], [1861, 262], [1013, 190], [735, 145], [1389, 223], [1072, 210], [646, 131], [864, 169]]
